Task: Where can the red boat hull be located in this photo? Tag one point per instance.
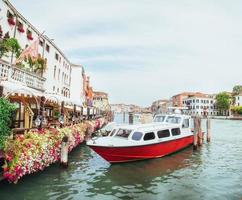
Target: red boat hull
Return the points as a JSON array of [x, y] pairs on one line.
[[133, 153]]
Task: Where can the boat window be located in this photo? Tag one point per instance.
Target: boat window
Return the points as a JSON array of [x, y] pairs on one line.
[[173, 120], [163, 133], [159, 119], [123, 133], [185, 123], [137, 136], [112, 132], [175, 131], [149, 136]]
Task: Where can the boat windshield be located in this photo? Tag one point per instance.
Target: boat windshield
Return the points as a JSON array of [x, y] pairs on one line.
[[173, 120], [123, 133], [112, 132], [159, 118]]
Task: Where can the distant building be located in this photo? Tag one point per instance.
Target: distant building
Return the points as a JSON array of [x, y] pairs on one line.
[[177, 100], [200, 104], [126, 108], [100, 101], [238, 100], [160, 106]]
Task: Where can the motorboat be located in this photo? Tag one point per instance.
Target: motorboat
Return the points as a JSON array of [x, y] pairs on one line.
[[144, 141]]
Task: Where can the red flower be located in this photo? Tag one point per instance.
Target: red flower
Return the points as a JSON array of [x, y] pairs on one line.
[[21, 29], [29, 36], [11, 21]]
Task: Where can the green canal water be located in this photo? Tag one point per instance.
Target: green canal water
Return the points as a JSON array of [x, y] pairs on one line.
[[213, 172]]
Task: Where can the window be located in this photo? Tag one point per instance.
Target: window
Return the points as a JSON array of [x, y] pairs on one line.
[[149, 136], [175, 131], [173, 120], [123, 133], [47, 48], [112, 132], [185, 123], [29, 32], [9, 14], [41, 43], [54, 71], [159, 118], [163, 133], [56, 56], [53, 88], [59, 74], [137, 136], [197, 100]]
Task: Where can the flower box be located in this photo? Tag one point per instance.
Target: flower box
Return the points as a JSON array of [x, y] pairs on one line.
[[30, 37], [21, 29], [11, 21]]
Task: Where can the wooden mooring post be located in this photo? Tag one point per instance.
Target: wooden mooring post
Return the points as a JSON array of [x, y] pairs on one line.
[[208, 129], [195, 133], [123, 117], [131, 118], [200, 133], [64, 152]]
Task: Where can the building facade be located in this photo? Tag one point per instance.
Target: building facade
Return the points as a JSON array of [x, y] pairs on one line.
[[200, 104], [238, 100], [58, 80], [160, 106], [100, 101]]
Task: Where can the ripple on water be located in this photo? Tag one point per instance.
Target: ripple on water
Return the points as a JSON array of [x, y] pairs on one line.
[[213, 172]]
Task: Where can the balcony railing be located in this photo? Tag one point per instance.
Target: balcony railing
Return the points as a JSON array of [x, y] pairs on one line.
[[16, 75]]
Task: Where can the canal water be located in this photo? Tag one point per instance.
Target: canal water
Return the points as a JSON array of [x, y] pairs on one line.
[[213, 172]]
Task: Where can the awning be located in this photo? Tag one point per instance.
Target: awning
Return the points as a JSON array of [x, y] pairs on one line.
[[10, 88]]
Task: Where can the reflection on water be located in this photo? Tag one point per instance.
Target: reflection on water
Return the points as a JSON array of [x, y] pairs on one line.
[[213, 172]]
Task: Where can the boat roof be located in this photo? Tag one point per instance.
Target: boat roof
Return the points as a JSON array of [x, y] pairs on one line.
[[148, 127]]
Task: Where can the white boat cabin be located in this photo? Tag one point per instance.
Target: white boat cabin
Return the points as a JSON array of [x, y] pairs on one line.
[[174, 127]]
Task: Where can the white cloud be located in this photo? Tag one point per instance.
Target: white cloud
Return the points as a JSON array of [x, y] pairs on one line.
[[164, 46]]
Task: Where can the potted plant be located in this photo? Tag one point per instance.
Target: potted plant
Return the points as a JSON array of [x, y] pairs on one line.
[[21, 28], [29, 36], [11, 20]]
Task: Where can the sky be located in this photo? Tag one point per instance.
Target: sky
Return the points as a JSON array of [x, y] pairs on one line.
[[139, 51]]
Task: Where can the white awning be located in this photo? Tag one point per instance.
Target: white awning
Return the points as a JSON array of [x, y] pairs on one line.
[[10, 88]]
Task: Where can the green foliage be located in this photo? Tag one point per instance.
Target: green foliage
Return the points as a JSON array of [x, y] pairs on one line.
[[223, 101], [56, 114], [9, 45], [237, 109], [237, 89], [34, 64], [6, 110]]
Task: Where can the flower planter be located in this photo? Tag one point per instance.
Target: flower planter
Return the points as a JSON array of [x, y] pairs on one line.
[[21, 29], [30, 37], [11, 21]]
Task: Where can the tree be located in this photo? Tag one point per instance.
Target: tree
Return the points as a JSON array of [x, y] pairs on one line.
[[6, 111], [223, 101], [237, 89]]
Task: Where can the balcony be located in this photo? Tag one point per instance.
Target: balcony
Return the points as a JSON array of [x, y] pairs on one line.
[[20, 76]]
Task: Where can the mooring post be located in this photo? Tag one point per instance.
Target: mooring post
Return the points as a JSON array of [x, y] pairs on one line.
[[208, 130], [62, 114], [131, 118], [200, 133], [41, 113], [64, 152], [195, 133], [123, 117]]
